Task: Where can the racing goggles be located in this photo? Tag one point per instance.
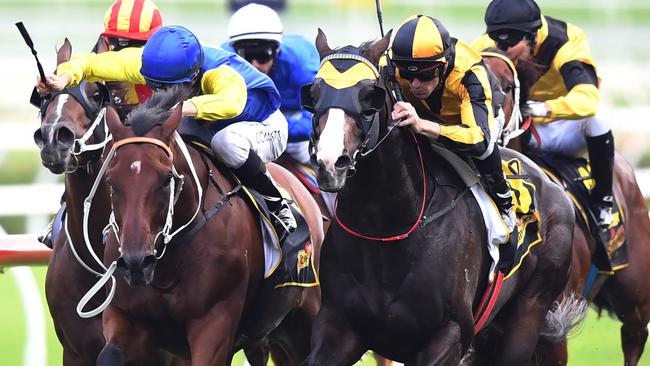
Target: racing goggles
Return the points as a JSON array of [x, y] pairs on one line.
[[262, 54], [411, 73], [508, 38], [117, 44]]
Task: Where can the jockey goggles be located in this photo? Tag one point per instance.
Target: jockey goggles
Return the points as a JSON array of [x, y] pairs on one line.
[[262, 52], [159, 86], [117, 44], [507, 38], [426, 74]]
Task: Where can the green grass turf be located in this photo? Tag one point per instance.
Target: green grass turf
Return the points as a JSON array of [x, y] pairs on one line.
[[597, 343]]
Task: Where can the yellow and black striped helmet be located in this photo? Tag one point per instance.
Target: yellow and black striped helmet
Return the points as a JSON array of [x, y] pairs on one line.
[[421, 40]]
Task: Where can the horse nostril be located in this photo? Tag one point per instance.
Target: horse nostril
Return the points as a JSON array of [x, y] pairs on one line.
[[148, 261], [64, 137], [38, 139], [343, 161]]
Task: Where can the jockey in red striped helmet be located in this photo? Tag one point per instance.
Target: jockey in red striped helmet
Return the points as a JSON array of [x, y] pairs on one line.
[[130, 23]]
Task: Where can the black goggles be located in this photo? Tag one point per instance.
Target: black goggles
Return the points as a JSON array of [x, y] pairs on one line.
[[117, 44], [509, 39], [423, 75], [262, 54]]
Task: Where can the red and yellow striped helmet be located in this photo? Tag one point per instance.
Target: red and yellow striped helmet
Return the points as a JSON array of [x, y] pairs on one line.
[[421, 39], [132, 19]]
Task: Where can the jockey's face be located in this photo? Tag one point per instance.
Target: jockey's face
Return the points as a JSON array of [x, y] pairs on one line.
[[263, 67], [423, 89]]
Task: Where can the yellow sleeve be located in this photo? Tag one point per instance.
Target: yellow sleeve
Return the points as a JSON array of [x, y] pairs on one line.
[[482, 42], [224, 94], [123, 66], [580, 77]]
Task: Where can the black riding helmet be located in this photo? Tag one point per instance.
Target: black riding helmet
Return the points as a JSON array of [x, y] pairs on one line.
[[519, 15]]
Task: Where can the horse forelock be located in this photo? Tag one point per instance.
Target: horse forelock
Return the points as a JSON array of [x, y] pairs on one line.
[[156, 110]]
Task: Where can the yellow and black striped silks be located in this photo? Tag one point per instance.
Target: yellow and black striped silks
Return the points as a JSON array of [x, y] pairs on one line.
[[570, 82], [421, 39], [463, 104]]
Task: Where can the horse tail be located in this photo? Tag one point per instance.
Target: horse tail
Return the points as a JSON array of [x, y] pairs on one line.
[[564, 318]]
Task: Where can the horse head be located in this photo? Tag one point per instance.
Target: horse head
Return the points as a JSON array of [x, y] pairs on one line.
[[144, 184], [69, 119], [345, 98]]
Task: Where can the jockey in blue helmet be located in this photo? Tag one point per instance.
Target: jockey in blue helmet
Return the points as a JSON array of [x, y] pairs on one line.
[[240, 103], [255, 33]]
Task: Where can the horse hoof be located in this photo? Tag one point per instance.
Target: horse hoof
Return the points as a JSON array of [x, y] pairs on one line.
[[111, 355]]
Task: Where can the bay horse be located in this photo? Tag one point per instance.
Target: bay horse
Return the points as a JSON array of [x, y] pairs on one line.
[[186, 295], [407, 290], [71, 139], [626, 293]]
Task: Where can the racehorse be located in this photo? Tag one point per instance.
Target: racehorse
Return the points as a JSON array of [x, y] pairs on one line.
[[71, 138], [406, 289], [189, 293], [626, 293]]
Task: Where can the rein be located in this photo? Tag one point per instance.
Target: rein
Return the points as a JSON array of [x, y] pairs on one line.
[[417, 221]]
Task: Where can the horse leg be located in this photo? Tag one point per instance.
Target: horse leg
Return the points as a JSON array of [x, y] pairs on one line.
[[258, 353], [551, 354], [445, 347], [211, 336], [333, 341], [125, 341], [523, 325], [634, 334]]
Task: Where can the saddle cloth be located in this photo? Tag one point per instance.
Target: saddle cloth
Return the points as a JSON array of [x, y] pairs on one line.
[[574, 176]]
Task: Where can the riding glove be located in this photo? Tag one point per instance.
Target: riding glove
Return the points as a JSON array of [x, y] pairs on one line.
[[535, 109]]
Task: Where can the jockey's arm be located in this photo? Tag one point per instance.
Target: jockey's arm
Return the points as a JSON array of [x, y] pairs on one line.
[[121, 66], [581, 80], [224, 95], [476, 114]]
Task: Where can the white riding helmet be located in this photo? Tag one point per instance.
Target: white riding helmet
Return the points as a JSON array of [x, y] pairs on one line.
[[255, 21]]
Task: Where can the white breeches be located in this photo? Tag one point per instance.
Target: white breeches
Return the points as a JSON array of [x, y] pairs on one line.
[[568, 137], [267, 138]]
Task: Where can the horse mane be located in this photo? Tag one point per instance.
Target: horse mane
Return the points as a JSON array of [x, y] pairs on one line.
[[156, 110]]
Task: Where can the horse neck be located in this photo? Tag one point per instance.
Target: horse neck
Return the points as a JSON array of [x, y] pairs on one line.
[[188, 200], [78, 185], [387, 187]]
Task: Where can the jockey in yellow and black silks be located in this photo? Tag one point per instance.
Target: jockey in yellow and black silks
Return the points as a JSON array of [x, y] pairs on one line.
[[449, 100], [565, 99], [239, 104]]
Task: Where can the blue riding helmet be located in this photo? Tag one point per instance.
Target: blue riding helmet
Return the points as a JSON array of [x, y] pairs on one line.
[[172, 55]]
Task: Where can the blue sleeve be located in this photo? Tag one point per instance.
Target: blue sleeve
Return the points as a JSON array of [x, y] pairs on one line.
[[300, 123]]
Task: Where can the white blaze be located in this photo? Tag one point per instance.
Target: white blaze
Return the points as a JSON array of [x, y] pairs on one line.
[[63, 98], [331, 142], [135, 166]]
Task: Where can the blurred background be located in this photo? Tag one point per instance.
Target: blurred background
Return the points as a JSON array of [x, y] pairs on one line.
[[619, 34]]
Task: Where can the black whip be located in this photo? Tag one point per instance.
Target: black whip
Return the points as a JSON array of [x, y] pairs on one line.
[[30, 44], [390, 71]]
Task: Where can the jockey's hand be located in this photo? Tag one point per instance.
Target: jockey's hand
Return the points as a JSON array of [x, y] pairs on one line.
[[189, 109], [535, 109], [52, 83], [409, 116]]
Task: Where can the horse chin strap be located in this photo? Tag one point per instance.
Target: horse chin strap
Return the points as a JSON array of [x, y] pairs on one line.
[[174, 194]]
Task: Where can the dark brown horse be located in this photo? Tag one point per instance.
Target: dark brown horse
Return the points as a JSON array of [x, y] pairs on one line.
[[71, 138], [391, 283], [626, 293], [186, 295], [65, 118]]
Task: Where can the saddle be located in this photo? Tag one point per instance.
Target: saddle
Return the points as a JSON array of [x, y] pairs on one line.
[[574, 176], [288, 263]]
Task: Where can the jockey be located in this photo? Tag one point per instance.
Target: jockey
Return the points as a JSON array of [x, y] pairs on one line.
[[120, 32], [239, 103], [130, 23], [449, 100], [565, 99], [291, 61]]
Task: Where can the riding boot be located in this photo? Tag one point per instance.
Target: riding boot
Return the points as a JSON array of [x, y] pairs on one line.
[[498, 188], [49, 234], [601, 159], [253, 174]]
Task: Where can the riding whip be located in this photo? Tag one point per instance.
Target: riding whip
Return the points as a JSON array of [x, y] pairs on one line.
[[390, 71], [35, 99]]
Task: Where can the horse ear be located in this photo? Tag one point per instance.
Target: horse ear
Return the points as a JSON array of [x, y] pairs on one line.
[[172, 123], [101, 45], [321, 44], [115, 126], [63, 54], [377, 49]]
